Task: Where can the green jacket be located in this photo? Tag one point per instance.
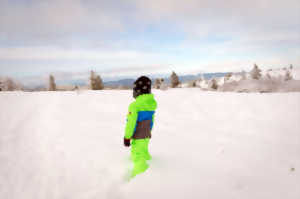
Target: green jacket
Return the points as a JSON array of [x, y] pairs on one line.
[[140, 112]]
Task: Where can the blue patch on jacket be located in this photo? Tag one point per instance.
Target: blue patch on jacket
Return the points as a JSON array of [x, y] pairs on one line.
[[145, 115]]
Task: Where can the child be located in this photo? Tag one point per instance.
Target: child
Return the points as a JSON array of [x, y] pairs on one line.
[[140, 120]]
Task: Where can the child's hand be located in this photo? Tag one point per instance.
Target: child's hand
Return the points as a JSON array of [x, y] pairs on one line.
[[126, 142]]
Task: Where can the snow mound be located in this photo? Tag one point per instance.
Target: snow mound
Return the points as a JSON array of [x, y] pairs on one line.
[[262, 85]]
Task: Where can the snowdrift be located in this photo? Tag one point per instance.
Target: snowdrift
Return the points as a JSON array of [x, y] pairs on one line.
[[261, 85], [272, 80]]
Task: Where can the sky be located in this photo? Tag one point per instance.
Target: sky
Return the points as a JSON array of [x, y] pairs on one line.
[[143, 37]]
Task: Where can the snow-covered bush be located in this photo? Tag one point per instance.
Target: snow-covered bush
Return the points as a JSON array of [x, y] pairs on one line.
[[268, 76], [262, 85], [191, 84], [163, 86], [243, 75], [288, 76], [9, 84], [158, 82]]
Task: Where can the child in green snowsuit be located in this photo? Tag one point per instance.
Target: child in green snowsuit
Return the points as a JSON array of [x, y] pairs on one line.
[[139, 124]]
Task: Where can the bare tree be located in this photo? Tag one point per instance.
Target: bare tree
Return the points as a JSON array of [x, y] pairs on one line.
[[174, 80], [52, 85], [255, 72]]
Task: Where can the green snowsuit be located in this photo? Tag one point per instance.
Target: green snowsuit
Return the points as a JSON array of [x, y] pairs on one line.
[[140, 119]]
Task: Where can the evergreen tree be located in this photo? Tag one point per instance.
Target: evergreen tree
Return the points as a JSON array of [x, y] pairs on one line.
[[92, 80], [255, 72], [98, 83], [213, 84], [227, 76], [174, 80], [52, 85]]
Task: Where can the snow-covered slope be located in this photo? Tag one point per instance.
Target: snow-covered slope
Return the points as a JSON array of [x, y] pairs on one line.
[[205, 145]]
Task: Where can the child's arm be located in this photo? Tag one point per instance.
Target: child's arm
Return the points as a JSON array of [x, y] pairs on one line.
[[131, 121]]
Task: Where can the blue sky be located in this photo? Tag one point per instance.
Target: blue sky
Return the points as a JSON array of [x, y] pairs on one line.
[[123, 38]]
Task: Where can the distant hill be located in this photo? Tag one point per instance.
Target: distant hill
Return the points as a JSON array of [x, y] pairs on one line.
[[182, 78], [126, 82], [123, 82]]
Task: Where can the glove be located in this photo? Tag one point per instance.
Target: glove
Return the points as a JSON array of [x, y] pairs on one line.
[[126, 142]]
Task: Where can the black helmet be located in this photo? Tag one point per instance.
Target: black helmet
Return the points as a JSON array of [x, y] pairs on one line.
[[141, 86]]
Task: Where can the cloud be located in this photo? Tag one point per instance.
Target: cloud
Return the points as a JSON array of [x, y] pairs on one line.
[[75, 34], [49, 20], [244, 22]]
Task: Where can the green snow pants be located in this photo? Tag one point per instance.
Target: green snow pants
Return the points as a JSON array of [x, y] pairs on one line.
[[139, 155]]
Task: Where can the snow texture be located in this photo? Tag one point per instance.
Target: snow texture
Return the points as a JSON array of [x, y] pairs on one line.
[[57, 145]]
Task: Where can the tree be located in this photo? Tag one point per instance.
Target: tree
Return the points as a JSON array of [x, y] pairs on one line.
[[163, 85], [92, 80], [291, 67], [174, 80], [213, 84], [194, 83], [255, 72], [52, 85], [9, 84], [227, 76], [96, 82], [287, 76], [158, 82], [1, 85]]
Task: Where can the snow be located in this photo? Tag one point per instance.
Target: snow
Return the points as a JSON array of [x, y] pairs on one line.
[[205, 145]]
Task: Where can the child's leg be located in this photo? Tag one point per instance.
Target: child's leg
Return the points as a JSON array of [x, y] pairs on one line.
[[138, 156], [146, 151]]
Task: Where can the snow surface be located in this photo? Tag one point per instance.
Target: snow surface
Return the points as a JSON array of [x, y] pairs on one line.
[[56, 145]]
